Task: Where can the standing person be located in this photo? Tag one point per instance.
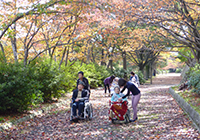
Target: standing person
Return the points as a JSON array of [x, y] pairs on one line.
[[135, 79], [154, 72], [84, 80], [135, 95], [107, 83]]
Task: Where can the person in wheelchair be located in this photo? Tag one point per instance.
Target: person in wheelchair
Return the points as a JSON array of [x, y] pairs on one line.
[[119, 108], [78, 98], [116, 95]]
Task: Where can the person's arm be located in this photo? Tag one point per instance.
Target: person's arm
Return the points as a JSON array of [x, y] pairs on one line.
[[123, 89], [124, 99], [86, 97], [138, 80], [73, 97], [87, 84], [128, 93], [112, 99]]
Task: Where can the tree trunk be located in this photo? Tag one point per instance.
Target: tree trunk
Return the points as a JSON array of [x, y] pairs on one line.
[[88, 54], [14, 44], [141, 68], [62, 57], [124, 64], [198, 57], [147, 72], [13, 39], [14, 48], [25, 56], [4, 57], [54, 58], [151, 71], [93, 57], [110, 64], [66, 59], [102, 57]]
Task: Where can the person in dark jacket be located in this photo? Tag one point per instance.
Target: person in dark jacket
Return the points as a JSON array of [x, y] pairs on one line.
[[84, 80], [78, 98], [107, 82], [135, 95]]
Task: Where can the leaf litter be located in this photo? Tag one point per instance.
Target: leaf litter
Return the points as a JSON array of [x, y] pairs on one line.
[[159, 115]]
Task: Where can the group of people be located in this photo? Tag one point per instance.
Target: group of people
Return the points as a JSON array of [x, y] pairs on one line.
[[83, 92], [131, 86]]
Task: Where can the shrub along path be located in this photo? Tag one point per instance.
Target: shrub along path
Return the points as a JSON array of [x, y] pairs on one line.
[[160, 117]]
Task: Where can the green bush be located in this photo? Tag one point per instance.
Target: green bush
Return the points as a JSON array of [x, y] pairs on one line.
[[120, 72], [41, 81], [51, 79], [194, 78], [17, 88], [93, 72], [178, 70], [22, 86], [159, 71], [141, 77]]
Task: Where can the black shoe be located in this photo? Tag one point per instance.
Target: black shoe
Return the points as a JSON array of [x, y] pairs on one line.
[[75, 119], [134, 120], [81, 118]]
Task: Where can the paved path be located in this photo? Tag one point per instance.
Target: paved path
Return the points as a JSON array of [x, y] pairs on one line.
[[160, 117]]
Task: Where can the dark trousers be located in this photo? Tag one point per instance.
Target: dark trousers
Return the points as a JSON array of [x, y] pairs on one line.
[[79, 106], [107, 86]]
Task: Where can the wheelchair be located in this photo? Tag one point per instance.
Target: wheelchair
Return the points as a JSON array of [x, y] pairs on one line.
[[87, 111], [116, 116]]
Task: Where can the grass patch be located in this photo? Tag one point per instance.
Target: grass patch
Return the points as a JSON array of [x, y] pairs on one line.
[[193, 99], [175, 88]]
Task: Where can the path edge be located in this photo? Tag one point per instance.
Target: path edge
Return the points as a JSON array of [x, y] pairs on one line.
[[193, 115], [8, 125]]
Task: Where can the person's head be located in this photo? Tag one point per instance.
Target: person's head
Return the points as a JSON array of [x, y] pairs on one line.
[[112, 78], [122, 82], [80, 74], [81, 85], [117, 89], [132, 74], [116, 79]]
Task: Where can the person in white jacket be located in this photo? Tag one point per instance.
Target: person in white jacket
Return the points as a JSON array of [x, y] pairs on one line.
[[135, 79]]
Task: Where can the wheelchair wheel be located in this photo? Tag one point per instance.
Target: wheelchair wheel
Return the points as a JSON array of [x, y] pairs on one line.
[[71, 117], [113, 121], [91, 112], [127, 117]]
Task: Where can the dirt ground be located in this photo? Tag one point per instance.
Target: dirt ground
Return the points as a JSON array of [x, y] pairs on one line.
[[167, 79], [160, 117]]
